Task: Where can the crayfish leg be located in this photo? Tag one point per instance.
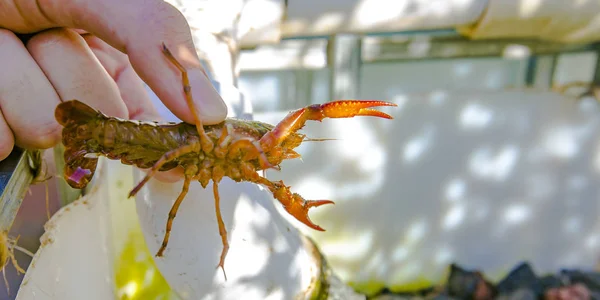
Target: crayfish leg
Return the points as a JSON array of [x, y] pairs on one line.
[[207, 145], [222, 230], [7, 252], [79, 169], [294, 204], [13, 259], [167, 157], [172, 214], [223, 142], [251, 150]]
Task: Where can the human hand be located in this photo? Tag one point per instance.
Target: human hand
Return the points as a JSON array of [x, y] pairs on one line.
[[98, 53]]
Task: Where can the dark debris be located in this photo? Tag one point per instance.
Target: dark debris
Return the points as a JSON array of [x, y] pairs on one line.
[[521, 283]]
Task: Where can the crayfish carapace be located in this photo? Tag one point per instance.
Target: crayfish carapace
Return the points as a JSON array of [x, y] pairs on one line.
[[233, 148]]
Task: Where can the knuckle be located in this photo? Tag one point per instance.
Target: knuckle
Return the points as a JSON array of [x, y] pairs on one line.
[[168, 10], [52, 37], [48, 135], [7, 36], [42, 136], [169, 18]]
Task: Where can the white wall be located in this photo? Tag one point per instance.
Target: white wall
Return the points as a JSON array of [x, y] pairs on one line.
[[467, 171]]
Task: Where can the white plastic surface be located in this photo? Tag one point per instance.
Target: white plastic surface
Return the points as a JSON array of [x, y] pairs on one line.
[[74, 260], [266, 259]]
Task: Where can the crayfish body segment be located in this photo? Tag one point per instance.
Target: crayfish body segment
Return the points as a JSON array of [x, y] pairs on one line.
[[233, 148]]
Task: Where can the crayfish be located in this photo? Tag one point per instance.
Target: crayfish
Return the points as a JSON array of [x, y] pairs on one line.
[[234, 148]]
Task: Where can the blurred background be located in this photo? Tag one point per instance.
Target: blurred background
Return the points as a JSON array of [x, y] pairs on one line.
[[493, 156]]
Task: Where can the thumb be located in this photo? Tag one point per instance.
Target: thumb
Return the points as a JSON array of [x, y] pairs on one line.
[[137, 28]]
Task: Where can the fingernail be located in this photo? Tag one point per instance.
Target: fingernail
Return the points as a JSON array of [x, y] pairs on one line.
[[209, 103]]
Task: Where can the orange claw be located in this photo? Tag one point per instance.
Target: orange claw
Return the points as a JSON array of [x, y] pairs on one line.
[[294, 204], [317, 112], [299, 209], [352, 108]]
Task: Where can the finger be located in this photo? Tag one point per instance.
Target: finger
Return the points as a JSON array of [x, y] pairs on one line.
[[582, 291], [132, 90], [7, 140], [131, 86], [27, 99], [137, 28], [563, 293], [75, 72]]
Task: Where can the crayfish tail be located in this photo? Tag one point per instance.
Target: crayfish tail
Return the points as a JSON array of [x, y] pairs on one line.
[[79, 170], [74, 111]]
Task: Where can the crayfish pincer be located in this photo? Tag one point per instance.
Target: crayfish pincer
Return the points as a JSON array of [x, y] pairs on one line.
[[233, 148]]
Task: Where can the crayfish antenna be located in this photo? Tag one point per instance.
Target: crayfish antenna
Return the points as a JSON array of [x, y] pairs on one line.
[[319, 140]]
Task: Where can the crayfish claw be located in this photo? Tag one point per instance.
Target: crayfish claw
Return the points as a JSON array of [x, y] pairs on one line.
[[315, 203], [353, 108], [373, 113], [291, 154], [299, 209]]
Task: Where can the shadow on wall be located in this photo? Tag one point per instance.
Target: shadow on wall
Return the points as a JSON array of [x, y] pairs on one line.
[[481, 179]]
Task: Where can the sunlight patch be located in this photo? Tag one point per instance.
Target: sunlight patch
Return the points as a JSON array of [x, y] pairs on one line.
[[487, 165], [350, 249], [454, 217], [369, 12], [591, 242], [475, 116], [516, 214], [515, 51], [328, 21], [561, 143], [417, 145], [438, 98], [400, 254], [355, 138], [416, 231], [374, 161], [314, 187], [399, 100], [528, 8], [456, 189]]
